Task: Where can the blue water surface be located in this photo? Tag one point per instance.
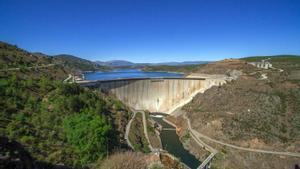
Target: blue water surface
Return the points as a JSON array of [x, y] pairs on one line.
[[128, 73]]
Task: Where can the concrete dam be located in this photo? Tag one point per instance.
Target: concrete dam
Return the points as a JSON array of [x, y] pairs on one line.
[[155, 94]]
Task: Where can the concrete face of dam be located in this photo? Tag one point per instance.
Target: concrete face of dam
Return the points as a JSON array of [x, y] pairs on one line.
[[156, 95]]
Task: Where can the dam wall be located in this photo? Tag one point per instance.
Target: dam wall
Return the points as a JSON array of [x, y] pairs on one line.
[[155, 95]]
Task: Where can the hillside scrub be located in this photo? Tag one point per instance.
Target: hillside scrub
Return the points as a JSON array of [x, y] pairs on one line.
[[289, 63], [137, 136], [251, 112], [78, 64], [249, 108], [88, 135], [60, 123], [277, 58], [152, 134], [11, 57], [15, 61], [177, 68]]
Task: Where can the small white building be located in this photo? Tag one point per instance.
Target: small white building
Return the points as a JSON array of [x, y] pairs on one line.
[[264, 64]]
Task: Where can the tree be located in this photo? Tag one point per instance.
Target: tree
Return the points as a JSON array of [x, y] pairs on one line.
[[88, 134], [45, 84]]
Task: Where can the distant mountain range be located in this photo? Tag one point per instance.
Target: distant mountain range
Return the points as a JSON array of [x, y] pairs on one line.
[[124, 63], [115, 63], [78, 63], [74, 63]]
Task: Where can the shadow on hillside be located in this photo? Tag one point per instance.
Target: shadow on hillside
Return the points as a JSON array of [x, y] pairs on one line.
[[13, 155]]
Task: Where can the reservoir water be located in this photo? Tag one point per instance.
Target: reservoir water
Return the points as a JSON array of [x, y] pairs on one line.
[[128, 73], [171, 143]]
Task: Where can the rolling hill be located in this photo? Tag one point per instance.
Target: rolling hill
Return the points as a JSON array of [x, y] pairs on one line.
[[24, 64], [11, 56], [77, 63], [124, 63]]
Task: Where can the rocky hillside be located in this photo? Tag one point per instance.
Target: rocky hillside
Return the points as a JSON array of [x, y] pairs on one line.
[[260, 110]]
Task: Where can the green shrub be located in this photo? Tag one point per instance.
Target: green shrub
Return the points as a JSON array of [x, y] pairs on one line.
[[88, 134]]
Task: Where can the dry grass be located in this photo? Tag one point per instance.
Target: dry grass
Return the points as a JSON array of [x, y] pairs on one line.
[[250, 112], [123, 160], [224, 66]]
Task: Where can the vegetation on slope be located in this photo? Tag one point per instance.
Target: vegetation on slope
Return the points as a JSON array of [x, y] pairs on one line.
[[275, 58], [11, 57], [167, 68], [23, 64], [60, 123], [248, 108], [227, 65], [77, 63], [56, 72], [137, 136], [252, 111], [289, 63], [152, 133], [47, 124]]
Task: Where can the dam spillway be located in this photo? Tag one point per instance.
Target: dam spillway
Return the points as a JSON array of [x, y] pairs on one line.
[[155, 94]]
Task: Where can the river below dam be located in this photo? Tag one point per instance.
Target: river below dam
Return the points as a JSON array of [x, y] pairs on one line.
[[171, 143], [127, 73]]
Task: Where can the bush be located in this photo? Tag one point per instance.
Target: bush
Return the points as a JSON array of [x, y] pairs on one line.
[[58, 123], [88, 134]]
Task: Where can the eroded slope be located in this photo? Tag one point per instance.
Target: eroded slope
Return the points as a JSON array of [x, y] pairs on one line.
[[253, 111]]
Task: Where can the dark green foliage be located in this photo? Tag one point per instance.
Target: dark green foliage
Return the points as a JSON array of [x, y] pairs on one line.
[[88, 134], [186, 137], [56, 122], [118, 105]]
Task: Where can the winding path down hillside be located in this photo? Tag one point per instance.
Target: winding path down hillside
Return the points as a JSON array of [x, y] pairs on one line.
[[196, 133], [128, 130], [146, 131], [30, 67], [144, 126]]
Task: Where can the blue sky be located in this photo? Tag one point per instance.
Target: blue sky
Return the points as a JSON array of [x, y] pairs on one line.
[[153, 30]]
